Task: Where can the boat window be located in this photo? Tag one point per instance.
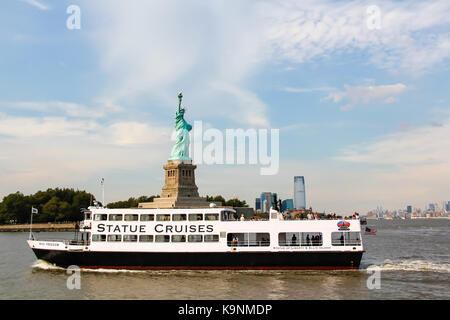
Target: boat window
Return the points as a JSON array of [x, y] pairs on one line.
[[195, 238], [130, 238], [289, 239], [211, 216], [100, 217], [145, 238], [229, 216], [163, 217], [248, 239], [162, 238], [114, 237], [178, 217], [259, 239], [346, 238], [178, 238], [311, 238], [195, 217], [147, 217], [99, 237], [115, 217], [211, 238], [87, 216], [131, 217]]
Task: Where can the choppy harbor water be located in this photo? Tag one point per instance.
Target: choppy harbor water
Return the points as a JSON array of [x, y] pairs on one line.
[[413, 256]]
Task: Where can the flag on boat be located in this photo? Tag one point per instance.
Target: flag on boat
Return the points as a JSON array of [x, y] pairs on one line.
[[34, 210], [370, 231]]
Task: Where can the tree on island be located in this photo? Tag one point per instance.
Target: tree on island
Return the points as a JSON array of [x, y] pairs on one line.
[[235, 202], [131, 202], [54, 205]]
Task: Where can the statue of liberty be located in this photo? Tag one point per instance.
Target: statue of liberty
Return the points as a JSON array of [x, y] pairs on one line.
[[180, 150]]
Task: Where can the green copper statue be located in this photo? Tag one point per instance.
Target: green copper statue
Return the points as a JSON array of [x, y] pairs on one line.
[[180, 150]]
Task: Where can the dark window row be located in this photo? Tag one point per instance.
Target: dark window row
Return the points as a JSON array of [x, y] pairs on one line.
[[159, 217], [156, 238]]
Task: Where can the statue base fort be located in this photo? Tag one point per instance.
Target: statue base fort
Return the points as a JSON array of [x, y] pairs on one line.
[[179, 190]]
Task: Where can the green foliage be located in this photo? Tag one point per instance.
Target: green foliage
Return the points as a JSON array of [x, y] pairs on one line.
[[53, 204], [131, 202], [230, 203]]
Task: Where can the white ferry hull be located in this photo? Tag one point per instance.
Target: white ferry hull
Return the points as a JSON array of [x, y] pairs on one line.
[[202, 260]]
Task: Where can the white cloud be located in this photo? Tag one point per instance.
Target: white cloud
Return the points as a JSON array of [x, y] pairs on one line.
[[19, 127], [158, 48], [154, 49], [76, 110], [121, 133], [303, 90], [413, 36], [37, 153], [424, 145], [249, 108], [37, 4], [367, 94], [133, 133]]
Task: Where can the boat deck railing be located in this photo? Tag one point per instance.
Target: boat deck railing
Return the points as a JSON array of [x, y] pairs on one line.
[[301, 244], [247, 243], [346, 243]]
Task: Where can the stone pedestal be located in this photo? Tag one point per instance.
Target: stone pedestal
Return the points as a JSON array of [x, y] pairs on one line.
[[179, 190]]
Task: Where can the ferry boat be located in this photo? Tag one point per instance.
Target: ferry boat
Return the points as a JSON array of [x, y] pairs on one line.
[[203, 238]]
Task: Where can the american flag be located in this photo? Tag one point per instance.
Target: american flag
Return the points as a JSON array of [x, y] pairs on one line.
[[370, 231]]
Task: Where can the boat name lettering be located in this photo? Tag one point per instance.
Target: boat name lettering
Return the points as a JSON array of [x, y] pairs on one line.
[[159, 228], [120, 228], [51, 244]]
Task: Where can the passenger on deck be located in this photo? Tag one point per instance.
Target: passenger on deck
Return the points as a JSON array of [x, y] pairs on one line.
[[294, 240]]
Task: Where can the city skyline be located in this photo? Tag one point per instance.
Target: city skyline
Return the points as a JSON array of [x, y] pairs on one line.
[[359, 96]]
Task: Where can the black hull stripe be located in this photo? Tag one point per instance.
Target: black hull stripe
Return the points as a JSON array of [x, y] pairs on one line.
[[202, 260]]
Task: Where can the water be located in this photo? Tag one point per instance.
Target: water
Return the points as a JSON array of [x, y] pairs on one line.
[[413, 256]]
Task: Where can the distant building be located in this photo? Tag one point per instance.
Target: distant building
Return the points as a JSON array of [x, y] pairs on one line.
[[266, 201], [257, 204], [409, 209], [447, 206], [299, 193], [274, 200], [287, 204], [432, 207]]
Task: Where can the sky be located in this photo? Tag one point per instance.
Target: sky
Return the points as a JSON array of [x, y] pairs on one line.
[[359, 91]]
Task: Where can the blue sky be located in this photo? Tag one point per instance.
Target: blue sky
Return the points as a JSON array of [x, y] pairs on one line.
[[363, 113]]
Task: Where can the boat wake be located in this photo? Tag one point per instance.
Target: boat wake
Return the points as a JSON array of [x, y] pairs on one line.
[[44, 265], [412, 265]]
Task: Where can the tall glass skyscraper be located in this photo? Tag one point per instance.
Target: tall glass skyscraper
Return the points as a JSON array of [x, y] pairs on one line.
[[287, 204], [266, 201], [257, 204], [299, 193]]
